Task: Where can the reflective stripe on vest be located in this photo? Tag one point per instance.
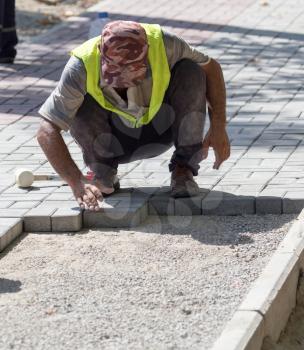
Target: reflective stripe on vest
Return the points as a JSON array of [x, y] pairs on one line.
[[89, 53]]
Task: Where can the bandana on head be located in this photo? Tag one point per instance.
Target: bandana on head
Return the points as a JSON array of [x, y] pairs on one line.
[[124, 53]]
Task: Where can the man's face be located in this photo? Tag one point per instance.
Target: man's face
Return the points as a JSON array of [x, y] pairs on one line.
[[125, 76]]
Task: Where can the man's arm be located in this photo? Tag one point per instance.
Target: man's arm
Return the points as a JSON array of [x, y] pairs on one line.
[[56, 151], [58, 112], [216, 96]]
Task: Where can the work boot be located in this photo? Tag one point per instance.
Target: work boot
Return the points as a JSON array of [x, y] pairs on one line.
[[182, 183]]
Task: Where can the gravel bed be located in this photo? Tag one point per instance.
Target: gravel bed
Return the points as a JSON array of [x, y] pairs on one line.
[[169, 284]]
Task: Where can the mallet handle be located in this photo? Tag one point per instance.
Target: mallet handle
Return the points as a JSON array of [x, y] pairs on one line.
[[46, 177]]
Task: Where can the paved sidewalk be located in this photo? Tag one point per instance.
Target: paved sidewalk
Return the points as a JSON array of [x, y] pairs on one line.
[[261, 51]]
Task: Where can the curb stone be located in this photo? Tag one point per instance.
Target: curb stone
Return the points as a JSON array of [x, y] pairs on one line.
[[10, 228], [266, 309]]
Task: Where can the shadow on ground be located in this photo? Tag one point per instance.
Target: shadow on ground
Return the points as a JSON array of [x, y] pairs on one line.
[[9, 286]]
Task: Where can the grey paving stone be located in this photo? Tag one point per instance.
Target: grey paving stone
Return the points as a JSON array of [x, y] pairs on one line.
[[127, 197], [245, 189], [38, 220], [147, 190], [115, 217], [161, 203], [204, 181], [58, 204], [63, 189], [220, 203], [5, 204], [15, 190], [293, 202], [24, 197], [60, 196], [9, 229], [189, 206], [42, 189], [66, 220], [268, 205], [25, 204], [12, 213]]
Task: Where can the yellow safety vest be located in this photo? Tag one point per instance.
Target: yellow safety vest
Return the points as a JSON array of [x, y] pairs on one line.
[[89, 53]]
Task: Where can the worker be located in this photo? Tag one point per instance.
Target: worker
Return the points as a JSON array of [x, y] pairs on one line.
[[8, 34], [132, 93]]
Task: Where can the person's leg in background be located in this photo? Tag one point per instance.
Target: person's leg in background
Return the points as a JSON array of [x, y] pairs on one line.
[[8, 33]]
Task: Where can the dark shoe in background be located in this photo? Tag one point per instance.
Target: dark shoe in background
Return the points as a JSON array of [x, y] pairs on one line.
[[9, 60]]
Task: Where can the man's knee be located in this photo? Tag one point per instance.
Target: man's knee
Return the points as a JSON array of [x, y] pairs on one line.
[[190, 72]]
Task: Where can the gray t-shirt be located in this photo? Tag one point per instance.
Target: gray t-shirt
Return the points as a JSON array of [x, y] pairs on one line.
[[62, 105]]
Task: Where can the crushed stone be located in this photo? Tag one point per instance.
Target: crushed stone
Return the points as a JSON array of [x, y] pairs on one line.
[[171, 283]]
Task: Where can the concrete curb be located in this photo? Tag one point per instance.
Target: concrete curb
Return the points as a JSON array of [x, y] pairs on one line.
[[269, 303], [10, 229]]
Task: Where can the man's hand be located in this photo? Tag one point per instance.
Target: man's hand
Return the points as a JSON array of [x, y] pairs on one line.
[[88, 192], [217, 138], [216, 96]]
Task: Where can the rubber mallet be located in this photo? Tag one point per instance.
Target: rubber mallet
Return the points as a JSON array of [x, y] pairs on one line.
[[25, 177]]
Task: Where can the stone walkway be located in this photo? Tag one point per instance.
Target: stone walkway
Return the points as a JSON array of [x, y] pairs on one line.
[[260, 47]]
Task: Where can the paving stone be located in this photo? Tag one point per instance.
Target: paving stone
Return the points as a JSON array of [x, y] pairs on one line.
[[293, 202], [161, 203], [220, 203], [5, 204], [12, 213], [38, 220], [15, 190], [58, 204], [189, 206], [24, 197], [24, 204], [60, 196], [268, 205], [204, 181], [9, 229], [63, 189], [147, 190], [245, 189], [115, 217], [66, 220]]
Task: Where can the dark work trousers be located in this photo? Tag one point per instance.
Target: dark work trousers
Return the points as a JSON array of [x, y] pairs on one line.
[[106, 141], [8, 34]]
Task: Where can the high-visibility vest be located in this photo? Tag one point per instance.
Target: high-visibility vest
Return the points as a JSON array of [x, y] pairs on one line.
[[89, 53]]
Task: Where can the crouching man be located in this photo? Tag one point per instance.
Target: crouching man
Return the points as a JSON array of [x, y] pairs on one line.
[[129, 94]]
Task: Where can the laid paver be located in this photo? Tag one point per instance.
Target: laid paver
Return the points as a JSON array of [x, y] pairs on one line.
[[66, 219], [38, 220], [262, 56]]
